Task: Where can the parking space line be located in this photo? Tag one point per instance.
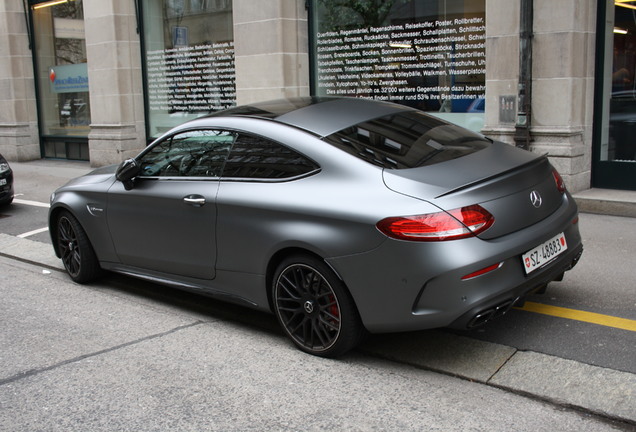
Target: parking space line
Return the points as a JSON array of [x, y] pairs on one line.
[[31, 203], [34, 232], [573, 314]]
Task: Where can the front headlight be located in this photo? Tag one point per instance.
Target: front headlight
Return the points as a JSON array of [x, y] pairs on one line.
[[4, 167]]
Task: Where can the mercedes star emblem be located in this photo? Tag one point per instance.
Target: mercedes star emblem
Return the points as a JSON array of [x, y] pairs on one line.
[[535, 199]]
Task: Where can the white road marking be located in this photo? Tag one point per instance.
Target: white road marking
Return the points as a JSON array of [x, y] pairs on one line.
[[31, 203], [35, 204], [34, 232]]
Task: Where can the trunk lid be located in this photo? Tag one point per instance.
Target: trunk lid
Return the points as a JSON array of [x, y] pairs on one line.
[[506, 181]]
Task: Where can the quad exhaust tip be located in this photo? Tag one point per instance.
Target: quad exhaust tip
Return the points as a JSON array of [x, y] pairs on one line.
[[495, 312], [484, 316]]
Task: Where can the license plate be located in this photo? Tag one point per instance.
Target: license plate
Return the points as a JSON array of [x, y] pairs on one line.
[[544, 253], [3, 182]]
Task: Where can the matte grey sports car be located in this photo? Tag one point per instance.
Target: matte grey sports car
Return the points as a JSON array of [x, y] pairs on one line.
[[341, 216]]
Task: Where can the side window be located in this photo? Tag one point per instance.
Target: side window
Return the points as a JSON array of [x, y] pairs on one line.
[[254, 157], [199, 153]]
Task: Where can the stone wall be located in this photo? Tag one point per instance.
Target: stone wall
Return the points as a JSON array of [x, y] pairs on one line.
[[116, 85], [563, 80], [271, 49], [18, 113]]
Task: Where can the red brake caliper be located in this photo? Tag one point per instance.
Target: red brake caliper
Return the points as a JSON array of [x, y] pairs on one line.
[[333, 309]]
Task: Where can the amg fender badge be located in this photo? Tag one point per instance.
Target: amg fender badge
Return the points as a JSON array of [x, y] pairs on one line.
[[95, 210]]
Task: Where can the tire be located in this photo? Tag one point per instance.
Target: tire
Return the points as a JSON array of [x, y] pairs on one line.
[[77, 253], [314, 307]]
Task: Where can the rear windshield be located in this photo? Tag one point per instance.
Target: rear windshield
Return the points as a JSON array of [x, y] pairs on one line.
[[407, 140]]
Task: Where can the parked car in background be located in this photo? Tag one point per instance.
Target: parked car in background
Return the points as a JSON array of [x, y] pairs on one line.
[[340, 216], [6, 182]]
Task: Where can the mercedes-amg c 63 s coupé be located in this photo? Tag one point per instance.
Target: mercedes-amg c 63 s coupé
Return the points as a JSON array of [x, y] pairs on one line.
[[340, 216]]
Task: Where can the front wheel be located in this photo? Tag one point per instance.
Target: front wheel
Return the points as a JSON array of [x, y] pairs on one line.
[[77, 253], [314, 307]]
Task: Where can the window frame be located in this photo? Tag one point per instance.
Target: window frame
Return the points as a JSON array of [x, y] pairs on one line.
[[169, 138], [238, 133], [314, 171]]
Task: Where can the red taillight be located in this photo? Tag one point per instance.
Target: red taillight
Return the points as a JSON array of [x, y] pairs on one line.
[[560, 184], [440, 226]]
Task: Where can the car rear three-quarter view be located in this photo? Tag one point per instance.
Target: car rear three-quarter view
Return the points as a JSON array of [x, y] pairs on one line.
[[339, 215]]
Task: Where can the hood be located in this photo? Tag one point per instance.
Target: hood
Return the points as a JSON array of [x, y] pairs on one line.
[[98, 175]]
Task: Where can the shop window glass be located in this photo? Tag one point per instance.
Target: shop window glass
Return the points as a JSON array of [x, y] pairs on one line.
[[62, 71], [189, 60], [618, 142], [428, 54]]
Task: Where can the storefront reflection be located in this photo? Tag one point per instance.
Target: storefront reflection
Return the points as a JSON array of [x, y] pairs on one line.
[[622, 119]]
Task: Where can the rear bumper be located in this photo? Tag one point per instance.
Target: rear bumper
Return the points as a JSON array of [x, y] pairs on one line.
[[6, 192], [403, 286], [497, 306]]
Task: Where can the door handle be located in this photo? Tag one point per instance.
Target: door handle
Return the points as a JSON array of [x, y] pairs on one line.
[[194, 200]]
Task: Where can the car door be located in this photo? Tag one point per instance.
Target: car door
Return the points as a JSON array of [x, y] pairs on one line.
[[167, 221], [257, 202]]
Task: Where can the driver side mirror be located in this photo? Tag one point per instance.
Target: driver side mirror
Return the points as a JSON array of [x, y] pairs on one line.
[[127, 171]]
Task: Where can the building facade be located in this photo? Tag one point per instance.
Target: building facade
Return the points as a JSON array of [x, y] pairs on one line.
[[98, 79]]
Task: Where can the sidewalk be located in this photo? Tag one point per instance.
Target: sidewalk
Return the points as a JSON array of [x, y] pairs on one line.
[[600, 391], [607, 201]]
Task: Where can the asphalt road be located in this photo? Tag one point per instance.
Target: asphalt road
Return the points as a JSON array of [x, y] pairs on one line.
[[49, 337]]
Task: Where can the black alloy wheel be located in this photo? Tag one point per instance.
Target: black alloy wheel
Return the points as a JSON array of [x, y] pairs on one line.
[[314, 308], [76, 251]]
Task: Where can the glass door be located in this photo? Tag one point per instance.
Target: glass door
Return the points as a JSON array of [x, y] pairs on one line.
[[62, 78], [615, 136]]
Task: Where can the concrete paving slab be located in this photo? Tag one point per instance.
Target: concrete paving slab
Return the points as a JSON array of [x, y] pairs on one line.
[[29, 251], [444, 352], [604, 391], [49, 322], [224, 377]]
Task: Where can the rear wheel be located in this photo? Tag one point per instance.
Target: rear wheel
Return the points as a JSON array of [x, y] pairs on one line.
[[77, 253], [314, 307]]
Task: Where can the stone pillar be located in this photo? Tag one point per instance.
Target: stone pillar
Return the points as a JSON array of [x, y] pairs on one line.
[[19, 138], [270, 41], [563, 80], [502, 67], [115, 80]]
